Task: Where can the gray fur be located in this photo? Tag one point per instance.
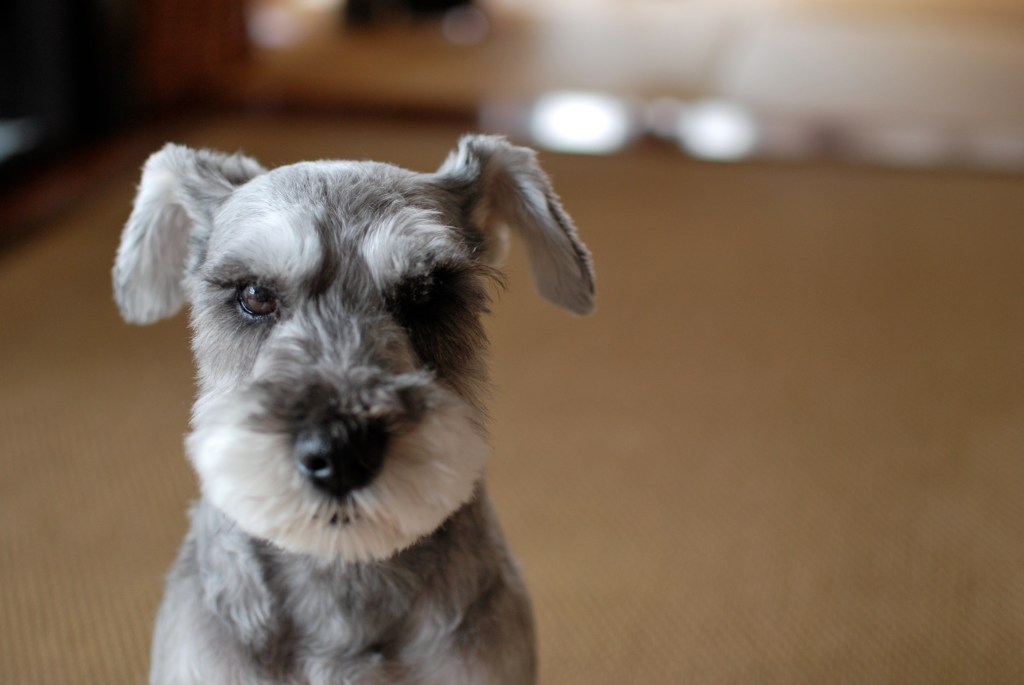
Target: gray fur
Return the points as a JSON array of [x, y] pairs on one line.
[[335, 297]]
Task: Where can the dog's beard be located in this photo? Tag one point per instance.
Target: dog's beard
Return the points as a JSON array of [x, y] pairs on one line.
[[246, 469]]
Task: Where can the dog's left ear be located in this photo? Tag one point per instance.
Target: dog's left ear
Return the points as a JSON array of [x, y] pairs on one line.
[[180, 191], [505, 187]]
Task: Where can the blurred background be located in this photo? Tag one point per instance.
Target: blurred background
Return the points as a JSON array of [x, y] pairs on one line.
[[787, 448], [919, 82]]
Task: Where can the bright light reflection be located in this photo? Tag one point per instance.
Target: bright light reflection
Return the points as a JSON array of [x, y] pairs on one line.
[[717, 131], [580, 122], [275, 28]]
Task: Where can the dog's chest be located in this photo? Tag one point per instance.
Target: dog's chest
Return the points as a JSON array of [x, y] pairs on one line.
[[356, 626]]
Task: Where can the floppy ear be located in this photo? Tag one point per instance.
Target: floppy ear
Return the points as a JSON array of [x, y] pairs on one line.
[[505, 187], [180, 191]]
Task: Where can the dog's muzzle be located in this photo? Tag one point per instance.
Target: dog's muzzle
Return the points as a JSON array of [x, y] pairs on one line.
[[342, 454]]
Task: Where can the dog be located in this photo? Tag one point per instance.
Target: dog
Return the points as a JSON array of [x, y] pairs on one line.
[[344, 533]]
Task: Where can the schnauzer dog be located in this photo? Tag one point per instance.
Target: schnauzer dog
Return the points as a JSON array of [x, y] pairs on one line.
[[344, 533]]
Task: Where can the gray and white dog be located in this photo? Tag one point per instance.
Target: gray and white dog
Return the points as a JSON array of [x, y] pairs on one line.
[[344, 534]]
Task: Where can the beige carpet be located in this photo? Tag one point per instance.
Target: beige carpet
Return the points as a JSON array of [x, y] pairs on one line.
[[787, 449]]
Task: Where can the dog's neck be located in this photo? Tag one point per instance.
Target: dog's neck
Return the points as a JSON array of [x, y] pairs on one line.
[[272, 600]]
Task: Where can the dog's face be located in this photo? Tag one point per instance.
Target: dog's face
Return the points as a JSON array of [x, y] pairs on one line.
[[336, 310]]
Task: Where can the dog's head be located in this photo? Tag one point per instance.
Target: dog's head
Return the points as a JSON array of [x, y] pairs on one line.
[[336, 310]]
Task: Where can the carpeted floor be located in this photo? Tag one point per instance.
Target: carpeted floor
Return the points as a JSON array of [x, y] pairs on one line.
[[787, 449]]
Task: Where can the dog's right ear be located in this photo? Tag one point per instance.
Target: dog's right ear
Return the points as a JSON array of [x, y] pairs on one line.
[[180, 191]]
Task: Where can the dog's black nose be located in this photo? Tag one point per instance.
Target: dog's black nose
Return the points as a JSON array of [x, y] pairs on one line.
[[341, 455]]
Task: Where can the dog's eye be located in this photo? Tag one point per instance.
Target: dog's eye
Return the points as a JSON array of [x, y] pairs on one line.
[[257, 301]]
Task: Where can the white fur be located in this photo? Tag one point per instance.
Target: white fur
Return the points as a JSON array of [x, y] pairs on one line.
[[278, 243], [402, 244], [250, 475], [154, 244]]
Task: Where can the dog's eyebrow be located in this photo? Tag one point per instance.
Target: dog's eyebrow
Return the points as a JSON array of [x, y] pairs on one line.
[[230, 272], [408, 244]]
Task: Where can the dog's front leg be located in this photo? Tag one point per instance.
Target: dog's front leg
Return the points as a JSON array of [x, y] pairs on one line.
[[217, 621]]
